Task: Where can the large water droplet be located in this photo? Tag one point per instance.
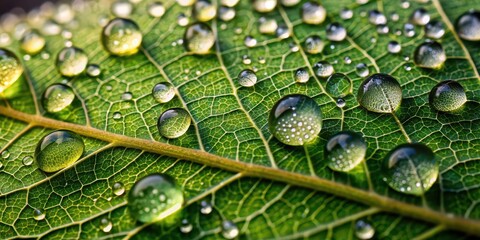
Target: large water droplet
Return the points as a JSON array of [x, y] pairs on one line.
[[32, 42], [118, 189], [301, 75], [71, 61], [121, 37], [447, 96], [313, 44], [38, 214], [338, 85], [295, 120], [313, 13], [434, 29], [336, 32], [264, 6], [468, 26], [186, 226], [364, 230], [58, 150], [163, 92], [376, 17], [323, 69], [11, 69], [121, 9], [247, 78], [429, 55], [156, 9], [199, 38], [204, 11], [174, 122], [205, 208], [345, 150], [229, 229], [394, 47], [380, 93], [106, 225], [410, 168], [362, 70], [57, 97], [267, 25], [154, 198], [420, 17]]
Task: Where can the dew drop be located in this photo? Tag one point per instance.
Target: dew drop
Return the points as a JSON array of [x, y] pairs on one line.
[[32, 42], [226, 13], [199, 38], [5, 154], [380, 93], [118, 189], [282, 32], [71, 61], [27, 160], [345, 150], [264, 6], [395, 17], [93, 70], [409, 164], [409, 30], [145, 198], [117, 116], [11, 69], [250, 41], [420, 17], [362, 70], [301, 75], [183, 20], [347, 60], [447, 96], [295, 120], [229, 229], [338, 85], [336, 32], [267, 26], [364, 230], [58, 150], [434, 29], [405, 4], [38, 214], [376, 17], [57, 97], [174, 123], [429, 55], [127, 96], [121, 37], [106, 225], [246, 60], [289, 3], [468, 26], [185, 3], [341, 103], [186, 226], [204, 11], [323, 69], [346, 13], [51, 28], [394, 47], [313, 44], [313, 13], [383, 29], [163, 92], [156, 9], [247, 78], [407, 67], [121, 9], [205, 208], [230, 3]]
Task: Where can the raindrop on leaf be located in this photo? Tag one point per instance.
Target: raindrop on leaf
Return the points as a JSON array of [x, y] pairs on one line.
[[58, 150]]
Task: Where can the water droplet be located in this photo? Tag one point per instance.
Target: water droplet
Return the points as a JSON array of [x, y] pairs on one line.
[[106, 225], [363, 230], [226, 14], [294, 47], [346, 13], [127, 96], [204, 11], [295, 120], [183, 20], [250, 41], [409, 164], [38, 214], [409, 30], [57, 97], [380, 93], [121, 37], [66, 34], [247, 78], [395, 17], [447, 96], [405, 4], [93, 70], [429, 55], [282, 32], [468, 26], [267, 25], [163, 92], [383, 29], [186, 226], [58, 150], [313, 13], [71, 61], [156, 9], [246, 60], [262, 60], [264, 6], [345, 150], [229, 229], [32, 42], [341, 102], [323, 69], [155, 197], [5, 39], [394, 47], [420, 17], [301, 75], [407, 67], [338, 85], [313, 44], [64, 14], [336, 32], [11, 69], [376, 17], [118, 189], [230, 3], [199, 38], [185, 3], [117, 116], [434, 29], [205, 208], [27, 160], [362, 70], [347, 60], [121, 9], [5, 154], [173, 123], [45, 55]]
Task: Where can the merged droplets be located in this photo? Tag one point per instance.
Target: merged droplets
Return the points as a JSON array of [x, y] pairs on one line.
[[468, 26], [336, 32], [345, 150], [264, 6], [229, 229], [376, 17], [364, 230], [11, 69], [380, 93], [199, 38], [410, 168], [295, 120], [57, 97], [154, 198], [174, 122], [301, 75], [429, 54], [447, 96], [323, 69], [247, 78], [106, 225], [58, 150], [163, 92], [434, 29], [32, 42], [313, 13], [420, 17], [156, 9], [338, 85], [204, 10], [362, 70], [118, 189], [121, 37], [313, 44], [394, 47], [38, 214]]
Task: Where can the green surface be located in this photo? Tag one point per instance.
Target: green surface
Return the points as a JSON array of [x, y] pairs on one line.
[[231, 121]]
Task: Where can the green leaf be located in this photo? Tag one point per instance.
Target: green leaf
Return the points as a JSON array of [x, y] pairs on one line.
[[228, 157]]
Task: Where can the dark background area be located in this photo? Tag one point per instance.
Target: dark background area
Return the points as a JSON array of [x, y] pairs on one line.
[[7, 5]]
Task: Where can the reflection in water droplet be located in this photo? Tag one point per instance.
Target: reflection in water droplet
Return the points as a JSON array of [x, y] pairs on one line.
[[420, 17], [336, 32], [394, 47], [118, 189], [57, 97], [229, 229], [434, 29], [58, 150], [11, 69], [204, 10], [174, 123], [362, 70], [301, 75], [32, 42], [38, 214], [468, 25], [267, 25], [106, 225], [313, 44], [323, 69], [264, 6], [429, 55], [313, 13], [121, 37], [363, 230], [345, 150], [447, 96], [380, 93], [295, 120], [186, 226], [199, 38], [338, 85], [376, 17], [247, 78], [156, 9], [410, 168]]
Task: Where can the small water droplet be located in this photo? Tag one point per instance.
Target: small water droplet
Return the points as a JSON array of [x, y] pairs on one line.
[[174, 123], [185, 3], [347, 60], [204, 10], [447, 96], [346, 13], [341, 103], [429, 55], [301, 75], [394, 17], [106, 225], [336, 32], [376, 17], [338, 85], [267, 25], [394, 47], [282, 32], [434, 29], [38, 214], [71, 61], [117, 116], [405, 4], [323, 69], [247, 78], [121, 9], [32, 42], [163, 92], [246, 60], [250, 41], [289, 3], [420, 17], [5, 154], [264, 6], [57, 97], [27, 160], [156, 9], [229, 229], [313, 13], [11, 69], [121, 37], [313, 44], [58, 150], [230, 3], [199, 38], [468, 25], [182, 20], [205, 208], [118, 189], [363, 230], [226, 14], [409, 30], [362, 70], [93, 70], [383, 29], [127, 96], [380, 93], [186, 226], [345, 150]]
